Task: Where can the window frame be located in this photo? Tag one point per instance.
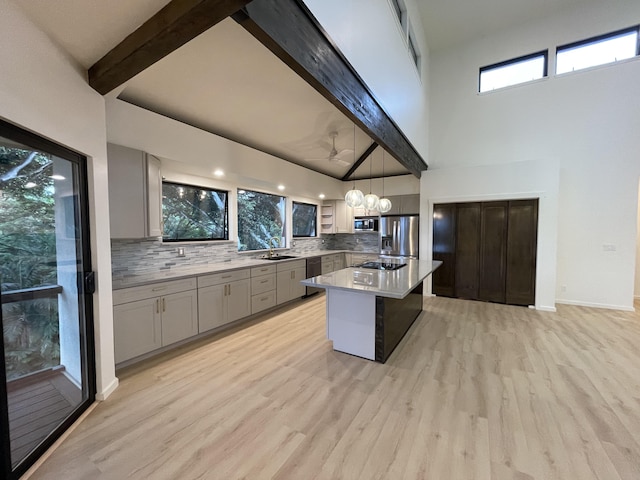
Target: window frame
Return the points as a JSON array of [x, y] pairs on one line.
[[400, 10], [317, 234], [205, 239], [545, 69], [595, 40], [414, 51]]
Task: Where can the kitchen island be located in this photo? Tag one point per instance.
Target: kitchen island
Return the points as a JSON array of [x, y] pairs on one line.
[[368, 310]]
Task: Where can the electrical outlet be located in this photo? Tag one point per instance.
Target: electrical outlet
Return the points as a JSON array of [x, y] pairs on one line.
[[181, 252], [293, 244]]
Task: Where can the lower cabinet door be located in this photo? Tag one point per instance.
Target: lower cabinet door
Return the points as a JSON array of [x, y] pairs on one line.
[[179, 316], [283, 286], [239, 300], [136, 328], [211, 307], [297, 289]]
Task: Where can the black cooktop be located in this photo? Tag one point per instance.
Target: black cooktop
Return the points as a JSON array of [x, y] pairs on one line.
[[382, 265]]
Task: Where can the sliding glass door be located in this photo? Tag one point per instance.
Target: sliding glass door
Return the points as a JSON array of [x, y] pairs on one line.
[[47, 362]]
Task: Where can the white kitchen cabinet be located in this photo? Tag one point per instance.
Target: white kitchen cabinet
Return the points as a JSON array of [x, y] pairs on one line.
[[336, 217], [223, 298], [179, 316], [333, 262], [326, 264], [263, 288], [152, 316], [327, 218], [135, 193], [343, 217], [410, 204], [404, 205], [136, 329], [288, 277], [363, 212]]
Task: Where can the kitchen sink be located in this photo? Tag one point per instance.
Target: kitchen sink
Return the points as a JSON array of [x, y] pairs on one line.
[[279, 257]]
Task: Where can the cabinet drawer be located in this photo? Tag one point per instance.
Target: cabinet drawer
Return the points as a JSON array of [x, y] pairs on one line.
[[223, 277], [263, 301], [263, 284], [263, 270], [134, 294], [284, 266]]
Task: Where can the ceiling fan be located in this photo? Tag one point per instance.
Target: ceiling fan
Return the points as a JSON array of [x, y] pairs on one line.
[[334, 155]]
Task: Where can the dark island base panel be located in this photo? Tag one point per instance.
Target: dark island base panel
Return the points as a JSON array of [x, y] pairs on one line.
[[394, 317]]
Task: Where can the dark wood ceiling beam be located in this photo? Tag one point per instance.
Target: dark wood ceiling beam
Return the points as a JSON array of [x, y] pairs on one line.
[[289, 30], [360, 161], [173, 26]]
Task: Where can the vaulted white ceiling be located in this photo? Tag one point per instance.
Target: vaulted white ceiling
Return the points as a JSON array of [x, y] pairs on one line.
[[226, 82]]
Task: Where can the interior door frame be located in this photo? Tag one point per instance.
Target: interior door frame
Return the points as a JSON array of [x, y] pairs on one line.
[[539, 195], [85, 306]]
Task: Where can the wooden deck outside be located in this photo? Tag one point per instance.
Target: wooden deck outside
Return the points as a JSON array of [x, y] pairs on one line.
[[37, 405]]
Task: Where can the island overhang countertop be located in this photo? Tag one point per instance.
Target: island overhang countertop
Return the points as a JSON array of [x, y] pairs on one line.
[[384, 283]]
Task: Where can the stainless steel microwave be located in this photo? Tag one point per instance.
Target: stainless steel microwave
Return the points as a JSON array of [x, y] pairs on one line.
[[365, 224]]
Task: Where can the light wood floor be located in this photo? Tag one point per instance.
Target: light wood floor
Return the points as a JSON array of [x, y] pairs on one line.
[[475, 391]]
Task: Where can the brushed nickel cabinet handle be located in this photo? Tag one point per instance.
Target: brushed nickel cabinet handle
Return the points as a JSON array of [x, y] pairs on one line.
[[163, 305], [158, 305], [229, 289]]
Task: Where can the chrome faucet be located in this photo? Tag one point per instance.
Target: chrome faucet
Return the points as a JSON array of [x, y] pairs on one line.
[[271, 245]]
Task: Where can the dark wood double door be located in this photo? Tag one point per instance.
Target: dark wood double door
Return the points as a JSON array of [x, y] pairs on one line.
[[488, 250]]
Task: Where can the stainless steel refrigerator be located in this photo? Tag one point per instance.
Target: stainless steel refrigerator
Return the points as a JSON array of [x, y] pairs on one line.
[[399, 235]]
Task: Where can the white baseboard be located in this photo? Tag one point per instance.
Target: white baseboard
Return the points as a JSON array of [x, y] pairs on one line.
[[597, 305], [102, 396], [545, 308]]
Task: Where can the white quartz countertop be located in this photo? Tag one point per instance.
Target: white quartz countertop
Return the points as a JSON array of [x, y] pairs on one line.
[[384, 283], [237, 264]]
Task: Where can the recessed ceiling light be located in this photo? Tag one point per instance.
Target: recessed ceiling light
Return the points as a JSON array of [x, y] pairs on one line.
[[30, 185], [218, 172], [321, 195], [280, 187], [57, 177]]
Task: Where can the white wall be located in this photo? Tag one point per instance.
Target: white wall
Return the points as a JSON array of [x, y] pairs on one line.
[[196, 152], [637, 281], [367, 33], [43, 91], [586, 121], [516, 180]]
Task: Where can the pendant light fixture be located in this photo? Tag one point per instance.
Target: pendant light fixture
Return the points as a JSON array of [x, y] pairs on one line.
[[371, 199], [384, 204], [354, 197]]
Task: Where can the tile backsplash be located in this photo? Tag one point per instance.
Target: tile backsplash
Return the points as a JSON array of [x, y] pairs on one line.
[[137, 257]]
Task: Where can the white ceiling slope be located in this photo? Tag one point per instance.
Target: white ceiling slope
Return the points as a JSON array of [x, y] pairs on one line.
[[226, 82]]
